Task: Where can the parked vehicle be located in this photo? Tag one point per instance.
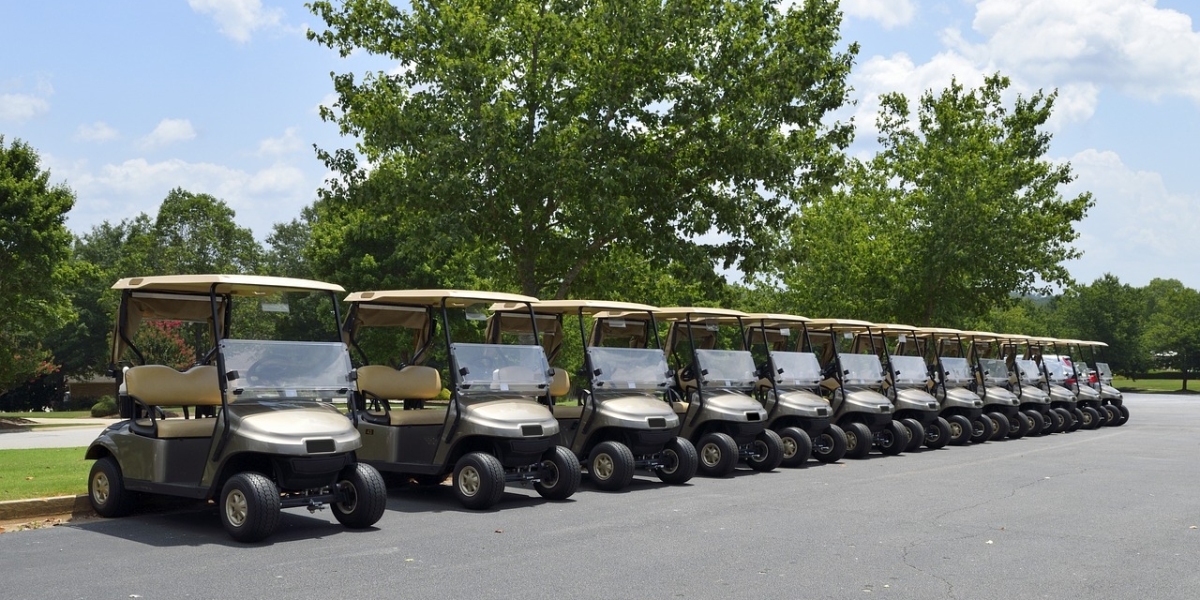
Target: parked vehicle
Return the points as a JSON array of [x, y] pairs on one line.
[[951, 377], [622, 422], [907, 382], [1035, 400], [1054, 377], [1087, 398], [992, 380], [1102, 380], [258, 431], [493, 431], [853, 383]]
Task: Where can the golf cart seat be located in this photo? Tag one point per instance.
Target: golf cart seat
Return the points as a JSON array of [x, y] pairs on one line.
[[413, 382], [680, 408], [560, 385], [155, 386], [567, 411]]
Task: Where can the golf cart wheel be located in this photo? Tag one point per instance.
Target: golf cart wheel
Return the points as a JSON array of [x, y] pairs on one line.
[[960, 430], [1061, 420], [364, 496], [681, 462], [1076, 419], [1019, 426], [893, 439], [981, 429], [249, 507], [767, 451], [915, 432], [830, 445], [1037, 423], [610, 465], [106, 489], [999, 425], [560, 474], [1104, 416], [797, 446], [478, 480], [858, 440], [1124, 415], [938, 434], [718, 454], [1090, 417]]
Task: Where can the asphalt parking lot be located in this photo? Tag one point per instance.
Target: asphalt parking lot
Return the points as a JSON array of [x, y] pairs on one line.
[[1092, 514]]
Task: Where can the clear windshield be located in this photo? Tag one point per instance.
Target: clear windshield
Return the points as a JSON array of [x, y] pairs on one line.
[[727, 368], [1029, 371], [909, 370], [1106, 373], [1059, 372], [956, 371], [861, 370], [994, 369], [796, 369], [493, 368], [301, 370], [629, 368]]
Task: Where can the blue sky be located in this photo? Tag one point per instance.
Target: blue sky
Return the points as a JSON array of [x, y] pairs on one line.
[[126, 100]]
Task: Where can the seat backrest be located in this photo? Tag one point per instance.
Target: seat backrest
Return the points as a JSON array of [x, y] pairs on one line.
[[560, 385], [160, 385], [414, 382]]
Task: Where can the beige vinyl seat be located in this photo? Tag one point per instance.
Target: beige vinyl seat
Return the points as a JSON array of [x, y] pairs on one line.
[[413, 382], [560, 385], [155, 386]]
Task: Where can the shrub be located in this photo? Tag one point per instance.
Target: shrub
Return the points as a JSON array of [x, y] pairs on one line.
[[105, 407]]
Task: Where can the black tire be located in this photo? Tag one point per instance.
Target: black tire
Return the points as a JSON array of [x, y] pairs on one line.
[[1103, 413], [999, 425], [938, 434], [830, 445], [858, 440], [1090, 418], [1019, 426], [1113, 416], [1124, 415], [610, 466], [560, 474], [1037, 422], [1060, 420], [797, 447], [1076, 419], [364, 497], [916, 434], [106, 489], [981, 429], [681, 462], [767, 451], [718, 455], [893, 439], [478, 480], [960, 430], [249, 507]]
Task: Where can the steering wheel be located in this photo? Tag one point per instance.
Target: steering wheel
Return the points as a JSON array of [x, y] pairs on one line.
[[272, 370]]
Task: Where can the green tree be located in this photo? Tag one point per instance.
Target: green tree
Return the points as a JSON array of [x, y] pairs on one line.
[[34, 250], [1111, 312], [197, 233], [1173, 329], [546, 134]]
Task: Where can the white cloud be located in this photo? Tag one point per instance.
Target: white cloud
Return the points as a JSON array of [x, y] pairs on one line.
[[167, 132], [288, 143], [889, 13], [898, 73], [22, 107], [96, 132], [238, 19]]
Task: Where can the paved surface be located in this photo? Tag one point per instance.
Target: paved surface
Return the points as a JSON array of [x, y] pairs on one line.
[[67, 436], [1091, 514]]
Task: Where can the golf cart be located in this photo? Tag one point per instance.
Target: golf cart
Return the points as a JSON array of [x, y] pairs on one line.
[[991, 385], [853, 383], [493, 430], [1055, 374], [1101, 379], [907, 382], [622, 422], [1086, 396], [712, 390], [258, 431], [1035, 401], [949, 376], [789, 388]]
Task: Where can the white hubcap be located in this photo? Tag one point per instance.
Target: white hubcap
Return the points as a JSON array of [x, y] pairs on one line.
[[235, 508], [602, 466], [100, 488], [468, 481]]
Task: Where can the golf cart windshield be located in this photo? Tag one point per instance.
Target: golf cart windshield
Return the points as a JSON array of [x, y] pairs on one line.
[[629, 368], [1106, 373], [1029, 371], [957, 371], [484, 368], [861, 369], [294, 370], [1058, 371], [994, 369], [727, 368], [909, 370], [796, 369]]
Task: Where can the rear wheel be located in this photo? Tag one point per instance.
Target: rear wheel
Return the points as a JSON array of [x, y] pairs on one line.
[[830, 445], [364, 496], [999, 425], [1090, 417], [893, 439], [916, 434], [250, 507], [960, 430], [478, 480], [681, 461], [1019, 426], [106, 489], [797, 446], [858, 440], [767, 451], [938, 434], [560, 474], [610, 466], [718, 454]]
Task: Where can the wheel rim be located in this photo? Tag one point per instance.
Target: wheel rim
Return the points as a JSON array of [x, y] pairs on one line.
[[761, 450], [1087, 418], [977, 428], [790, 447], [351, 497], [469, 481], [551, 476], [235, 508], [603, 467], [956, 429], [101, 488], [710, 454], [886, 439], [851, 441], [671, 462], [823, 444]]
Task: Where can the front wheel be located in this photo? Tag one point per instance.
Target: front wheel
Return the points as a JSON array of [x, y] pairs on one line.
[[718, 454], [610, 466], [893, 439], [981, 429], [680, 462], [766, 451], [916, 434], [938, 434], [106, 489], [999, 425], [250, 507], [1037, 423], [1113, 416], [364, 496], [960, 430], [1089, 417], [830, 445], [1060, 420], [1019, 426], [858, 440], [478, 480], [797, 446], [560, 474], [1124, 415]]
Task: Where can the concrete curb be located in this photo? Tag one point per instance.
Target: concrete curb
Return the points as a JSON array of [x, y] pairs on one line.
[[40, 508]]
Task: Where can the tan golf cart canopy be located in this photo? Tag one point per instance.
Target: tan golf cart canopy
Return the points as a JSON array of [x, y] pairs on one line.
[[432, 298], [680, 313], [851, 325], [574, 307]]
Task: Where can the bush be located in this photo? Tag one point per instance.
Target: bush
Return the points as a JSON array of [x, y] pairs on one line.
[[105, 407]]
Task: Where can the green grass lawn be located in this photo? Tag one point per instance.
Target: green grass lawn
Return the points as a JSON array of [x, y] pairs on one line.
[[65, 414], [1154, 386], [43, 472]]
